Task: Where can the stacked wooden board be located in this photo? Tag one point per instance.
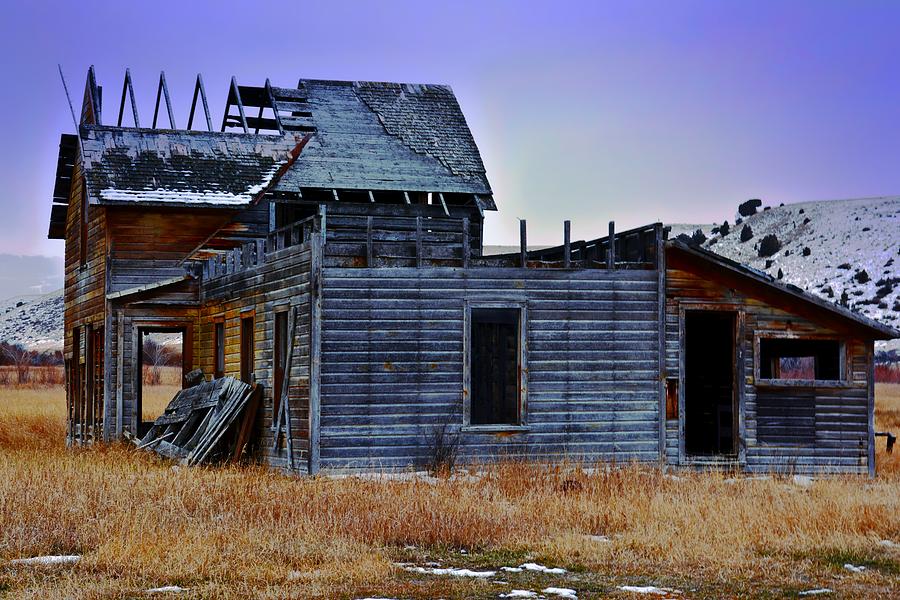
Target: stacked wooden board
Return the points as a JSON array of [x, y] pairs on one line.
[[210, 422]]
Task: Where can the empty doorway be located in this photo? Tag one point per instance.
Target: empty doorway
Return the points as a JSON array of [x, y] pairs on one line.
[[161, 356], [709, 383]]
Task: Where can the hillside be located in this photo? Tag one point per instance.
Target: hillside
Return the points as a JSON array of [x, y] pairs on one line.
[[829, 248], [34, 321]]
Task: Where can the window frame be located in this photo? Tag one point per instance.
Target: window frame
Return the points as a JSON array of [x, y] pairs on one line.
[[843, 360], [521, 307], [218, 347], [247, 359], [279, 312]]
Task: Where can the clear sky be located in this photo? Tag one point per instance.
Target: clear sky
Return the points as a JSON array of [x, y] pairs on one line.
[[634, 111]]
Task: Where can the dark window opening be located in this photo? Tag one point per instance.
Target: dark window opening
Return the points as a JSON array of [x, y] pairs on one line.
[[219, 367], [281, 347], [799, 359], [709, 367], [247, 349], [287, 214], [495, 366]]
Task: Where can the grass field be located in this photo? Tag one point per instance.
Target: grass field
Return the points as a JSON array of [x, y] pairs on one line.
[[244, 532]]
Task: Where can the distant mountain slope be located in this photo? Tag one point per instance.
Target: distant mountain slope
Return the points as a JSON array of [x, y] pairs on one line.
[[33, 321], [853, 248], [24, 275]]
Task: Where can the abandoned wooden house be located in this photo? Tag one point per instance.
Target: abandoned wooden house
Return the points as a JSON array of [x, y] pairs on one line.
[[326, 245]]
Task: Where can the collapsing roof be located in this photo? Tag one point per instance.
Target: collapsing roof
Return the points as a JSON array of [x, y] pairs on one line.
[[386, 136], [360, 136], [124, 166]]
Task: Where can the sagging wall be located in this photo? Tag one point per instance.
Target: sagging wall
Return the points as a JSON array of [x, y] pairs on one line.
[[283, 282], [392, 356], [842, 412], [85, 282]]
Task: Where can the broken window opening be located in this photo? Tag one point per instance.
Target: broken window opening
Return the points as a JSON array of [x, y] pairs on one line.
[[219, 367], [162, 369], [247, 375], [495, 366], [709, 383], [279, 358], [799, 359]]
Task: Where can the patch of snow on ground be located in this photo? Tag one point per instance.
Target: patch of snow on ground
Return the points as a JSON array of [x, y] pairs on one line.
[[888, 544], [815, 592], [647, 589], [542, 569], [519, 594], [166, 589], [47, 560], [450, 571], [561, 592], [854, 568]]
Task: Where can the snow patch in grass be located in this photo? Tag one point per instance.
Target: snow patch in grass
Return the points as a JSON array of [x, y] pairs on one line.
[[450, 571], [47, 560], [166, 589], [815, 592], [561, 592], [889, 544], [854, 568], [519, 594], [542, 569], [647, 589]]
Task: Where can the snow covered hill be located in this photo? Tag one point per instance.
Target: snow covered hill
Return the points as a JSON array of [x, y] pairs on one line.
[[34, 321], [834, 249]]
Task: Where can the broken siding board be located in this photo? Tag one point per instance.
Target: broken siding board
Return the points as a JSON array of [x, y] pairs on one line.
[[597, 408]]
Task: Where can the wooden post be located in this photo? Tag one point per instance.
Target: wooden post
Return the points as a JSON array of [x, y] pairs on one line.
[[611, 252], [120, 371], [369, 261], [419, 242], [315, 348], [567, 244], [465, 243], [523, 244]]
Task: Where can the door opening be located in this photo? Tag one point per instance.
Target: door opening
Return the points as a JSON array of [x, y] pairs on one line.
[[709, 386], [162, 370]]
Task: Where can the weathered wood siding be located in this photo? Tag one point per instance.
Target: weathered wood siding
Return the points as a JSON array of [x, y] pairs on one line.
[[282, 281], [392, 364], [842, 436]]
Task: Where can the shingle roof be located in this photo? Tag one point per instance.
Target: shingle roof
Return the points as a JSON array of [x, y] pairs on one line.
[[387, 136], [124, 166]]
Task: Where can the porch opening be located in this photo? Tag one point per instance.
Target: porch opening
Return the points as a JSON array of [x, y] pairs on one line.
[[162, 370], [495, 366], [709, 375]]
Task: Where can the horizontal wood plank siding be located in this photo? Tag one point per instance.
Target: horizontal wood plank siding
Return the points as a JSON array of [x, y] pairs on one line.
[[392, 370]]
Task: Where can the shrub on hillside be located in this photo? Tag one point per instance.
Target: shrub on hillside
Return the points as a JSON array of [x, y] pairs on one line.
[[746, 233], [748, 208], [769, 245]]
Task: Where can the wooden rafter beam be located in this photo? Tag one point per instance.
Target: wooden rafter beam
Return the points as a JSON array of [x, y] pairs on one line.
[[200, 90]]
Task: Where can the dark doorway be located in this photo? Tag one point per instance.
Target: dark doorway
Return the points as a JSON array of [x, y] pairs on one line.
[[709, 413]]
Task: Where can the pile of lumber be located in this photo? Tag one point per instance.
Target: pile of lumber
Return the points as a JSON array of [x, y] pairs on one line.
[[207, 423]]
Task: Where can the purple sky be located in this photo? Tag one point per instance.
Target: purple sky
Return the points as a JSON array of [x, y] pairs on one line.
[[632, 111]]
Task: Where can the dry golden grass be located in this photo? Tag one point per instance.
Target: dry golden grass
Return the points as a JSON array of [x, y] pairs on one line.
[[246, 532]]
